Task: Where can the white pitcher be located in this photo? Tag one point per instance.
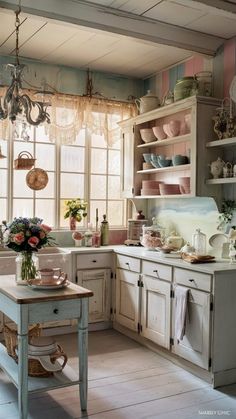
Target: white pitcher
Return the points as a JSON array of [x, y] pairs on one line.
[[147, 103]]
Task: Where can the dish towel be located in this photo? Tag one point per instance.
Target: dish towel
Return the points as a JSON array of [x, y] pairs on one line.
[[181, 306]]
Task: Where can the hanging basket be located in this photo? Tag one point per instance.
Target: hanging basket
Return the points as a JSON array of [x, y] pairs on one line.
[[24, 161]]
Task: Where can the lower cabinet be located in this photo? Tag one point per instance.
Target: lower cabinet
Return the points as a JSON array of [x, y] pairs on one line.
[[127, 298], [195, 346], [98, 281], [155, 311]]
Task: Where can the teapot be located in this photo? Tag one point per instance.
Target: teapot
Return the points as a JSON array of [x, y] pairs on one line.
[[216, 168], [147, 103]]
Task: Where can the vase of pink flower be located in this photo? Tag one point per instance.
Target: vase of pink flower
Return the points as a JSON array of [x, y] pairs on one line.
[[26, 236]]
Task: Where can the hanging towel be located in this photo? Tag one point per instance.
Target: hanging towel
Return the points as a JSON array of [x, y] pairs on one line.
[[181, 304]]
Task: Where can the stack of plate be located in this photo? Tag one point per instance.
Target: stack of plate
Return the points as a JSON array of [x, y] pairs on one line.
[[150, 187]]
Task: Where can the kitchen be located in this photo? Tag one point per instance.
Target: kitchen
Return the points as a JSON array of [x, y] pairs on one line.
[[168, 56]]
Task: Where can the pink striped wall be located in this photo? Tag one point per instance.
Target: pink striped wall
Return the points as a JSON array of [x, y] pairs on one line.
[[229, 64], [194, 65]]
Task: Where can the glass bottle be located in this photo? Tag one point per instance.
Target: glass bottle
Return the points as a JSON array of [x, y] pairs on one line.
[[88, 236], [104, 231], [199, 242]]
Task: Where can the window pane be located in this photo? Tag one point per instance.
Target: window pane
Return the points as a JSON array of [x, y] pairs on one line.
[[41, 135], [22, 131], [98, 161], [20, 147], [101, 206], [80, 139], [72, 186], [114, 162], [115, 212], [98, 187], [44, 208], [3, 183], [3, 209], [23, 207], [4, 149], [49, 190], [98, 141], [20, 188], [45, 155], [113, 187], [72, 159]]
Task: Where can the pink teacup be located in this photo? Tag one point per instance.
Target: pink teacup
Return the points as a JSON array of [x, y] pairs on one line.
[[49, 274]]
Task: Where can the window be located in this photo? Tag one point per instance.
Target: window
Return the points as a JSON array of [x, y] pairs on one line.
[[89, 169]]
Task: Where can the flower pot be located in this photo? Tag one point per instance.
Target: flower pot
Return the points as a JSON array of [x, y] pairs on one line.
[[72, 223]]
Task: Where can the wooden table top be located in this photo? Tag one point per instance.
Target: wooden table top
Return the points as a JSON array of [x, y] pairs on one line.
[[22, 294]]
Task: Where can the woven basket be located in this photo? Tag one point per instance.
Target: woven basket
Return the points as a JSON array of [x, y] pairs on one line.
[[35, 369], [24, 161]]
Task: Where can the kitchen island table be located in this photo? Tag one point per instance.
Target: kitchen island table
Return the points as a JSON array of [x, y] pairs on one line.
[[26, 306]]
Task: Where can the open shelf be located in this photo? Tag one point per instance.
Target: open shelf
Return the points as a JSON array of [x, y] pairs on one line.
[[163, 196], [221, 181], [165, 169], [65, 378], [168, 141], [227, 142]]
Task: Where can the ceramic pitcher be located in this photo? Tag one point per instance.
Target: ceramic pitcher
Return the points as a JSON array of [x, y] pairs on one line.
[[147, 102], [216, 168]]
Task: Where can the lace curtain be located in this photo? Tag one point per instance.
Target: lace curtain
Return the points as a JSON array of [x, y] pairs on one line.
[[69, 114]]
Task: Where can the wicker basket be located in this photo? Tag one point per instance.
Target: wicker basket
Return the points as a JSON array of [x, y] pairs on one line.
[[35, 369], [24, 161]]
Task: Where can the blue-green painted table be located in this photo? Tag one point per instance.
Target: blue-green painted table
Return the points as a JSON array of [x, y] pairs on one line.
[[26, 306]]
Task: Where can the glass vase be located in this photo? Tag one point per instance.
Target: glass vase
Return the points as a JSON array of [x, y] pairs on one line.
[[27, 264]]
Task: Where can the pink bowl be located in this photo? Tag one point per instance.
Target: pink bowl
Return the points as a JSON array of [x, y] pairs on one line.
[[184, 185], [150, 184], [152, 191], [172, 129], [169, 189], [159, 133]]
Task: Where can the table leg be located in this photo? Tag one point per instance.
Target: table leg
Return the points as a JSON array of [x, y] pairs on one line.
[[23, 366], [83, 353]]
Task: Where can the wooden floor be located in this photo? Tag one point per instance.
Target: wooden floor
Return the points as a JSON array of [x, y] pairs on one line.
[[126, 381]]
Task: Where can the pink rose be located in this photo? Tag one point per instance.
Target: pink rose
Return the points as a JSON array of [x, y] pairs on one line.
[[46, 228], [42, 235], [18, 238], [33, 241]]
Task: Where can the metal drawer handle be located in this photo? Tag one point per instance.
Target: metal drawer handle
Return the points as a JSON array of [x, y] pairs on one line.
[[127, 263], [156, 271], [55, 311]]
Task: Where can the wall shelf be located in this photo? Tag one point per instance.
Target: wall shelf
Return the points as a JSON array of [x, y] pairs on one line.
[[165, 169], [168, 141], [227, 142], [221, 181]]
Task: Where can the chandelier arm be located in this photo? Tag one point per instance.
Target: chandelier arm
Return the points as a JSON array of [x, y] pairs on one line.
[[30, 105]]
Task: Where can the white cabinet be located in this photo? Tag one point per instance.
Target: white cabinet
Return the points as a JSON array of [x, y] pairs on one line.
[[98, 281], [94, 272], [199, 111], [128, 291], [195, 346], [155, 312]]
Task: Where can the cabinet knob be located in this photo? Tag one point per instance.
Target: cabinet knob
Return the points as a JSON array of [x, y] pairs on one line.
[[191, 280], [156, 272], [94, 261], [55, 311]]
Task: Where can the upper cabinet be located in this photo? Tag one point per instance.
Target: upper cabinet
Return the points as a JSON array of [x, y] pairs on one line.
[[170, 160]]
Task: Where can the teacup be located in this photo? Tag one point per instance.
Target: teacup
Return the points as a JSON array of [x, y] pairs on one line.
[[48, 274]]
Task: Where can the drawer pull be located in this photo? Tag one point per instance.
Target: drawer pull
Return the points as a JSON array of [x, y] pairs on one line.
[[127, 263], [55, 311], [94, 261], [193, 281], [156, 272]]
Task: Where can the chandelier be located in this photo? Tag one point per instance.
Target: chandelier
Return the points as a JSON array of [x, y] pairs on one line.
[[14, 103]]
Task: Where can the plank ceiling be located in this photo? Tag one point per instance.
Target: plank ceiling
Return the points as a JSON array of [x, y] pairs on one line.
[[57, 42]]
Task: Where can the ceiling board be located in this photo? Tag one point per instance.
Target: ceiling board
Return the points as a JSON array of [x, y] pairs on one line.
[[215, 25], [174, 13]]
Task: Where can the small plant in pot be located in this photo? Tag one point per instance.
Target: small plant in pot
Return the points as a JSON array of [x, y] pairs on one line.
[[76, 209]]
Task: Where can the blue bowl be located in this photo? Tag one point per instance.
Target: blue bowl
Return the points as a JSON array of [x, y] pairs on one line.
[[147, 157], [164, 162], [179, 159], [155, 164]]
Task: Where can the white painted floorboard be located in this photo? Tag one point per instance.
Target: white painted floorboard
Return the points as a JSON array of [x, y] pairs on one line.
[[126, 381]]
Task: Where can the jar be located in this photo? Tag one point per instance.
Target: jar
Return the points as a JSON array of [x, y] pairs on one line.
[[27, 265], [152, 237], [204, 79], [104, 231], [185, 87], [88, 236], [147, 102], [199, 242]]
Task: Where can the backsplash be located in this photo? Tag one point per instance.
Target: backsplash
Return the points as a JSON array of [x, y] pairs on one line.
[[185, 215]]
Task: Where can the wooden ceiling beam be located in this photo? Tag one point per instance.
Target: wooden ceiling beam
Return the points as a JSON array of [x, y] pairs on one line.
[[116, 21]]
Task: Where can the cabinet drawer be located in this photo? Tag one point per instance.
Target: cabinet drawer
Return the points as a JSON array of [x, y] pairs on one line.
[[52, 311], [157, 270], [129, 263], [93, 260], [192, 279]]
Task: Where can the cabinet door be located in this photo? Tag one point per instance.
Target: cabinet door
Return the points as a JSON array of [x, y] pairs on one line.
[[155, 313], [127, 171], [97, 281], [195, 346], [127, 298]]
